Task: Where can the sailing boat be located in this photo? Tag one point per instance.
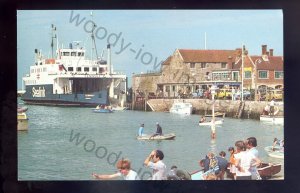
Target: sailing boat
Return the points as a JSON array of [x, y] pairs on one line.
[[213, 121]]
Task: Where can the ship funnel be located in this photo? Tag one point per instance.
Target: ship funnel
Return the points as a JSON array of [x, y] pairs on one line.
[[108, 59]]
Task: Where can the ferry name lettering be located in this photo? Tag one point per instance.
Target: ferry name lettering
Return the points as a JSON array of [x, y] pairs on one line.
[[40, 92]]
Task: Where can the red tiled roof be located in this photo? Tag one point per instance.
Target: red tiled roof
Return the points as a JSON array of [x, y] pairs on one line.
[[273, 63], [207, 55]]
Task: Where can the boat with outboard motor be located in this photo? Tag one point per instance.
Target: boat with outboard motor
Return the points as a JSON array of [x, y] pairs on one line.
[[168, 136], [181, 108], [69, 78]]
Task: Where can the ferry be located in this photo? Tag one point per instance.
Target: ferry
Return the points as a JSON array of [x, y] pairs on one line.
[[71, 79]]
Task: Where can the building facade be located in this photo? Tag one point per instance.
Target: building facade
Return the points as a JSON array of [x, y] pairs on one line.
[[187, 71]]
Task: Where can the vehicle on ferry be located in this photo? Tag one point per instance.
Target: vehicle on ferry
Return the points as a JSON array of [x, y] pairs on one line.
[[71, 79]]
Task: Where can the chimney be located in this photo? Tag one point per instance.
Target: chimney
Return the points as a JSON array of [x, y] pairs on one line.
[[271, 52], [264, 50], [268, 53], [108, 59]]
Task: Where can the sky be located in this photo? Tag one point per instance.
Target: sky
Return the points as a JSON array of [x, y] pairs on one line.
[[141, 39]]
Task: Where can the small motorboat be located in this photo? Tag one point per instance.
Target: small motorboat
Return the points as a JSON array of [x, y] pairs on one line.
[[102, 109], [267, 170], [272, 119], [181, 108], [168, 136], [119, 108], [22, 122], [22, 109], [277, 153], [209, 123]]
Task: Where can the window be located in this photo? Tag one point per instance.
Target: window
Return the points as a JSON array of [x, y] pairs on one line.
[[94, 69], [86, 69], [223, 65], [203, 65], [247, 74], [70, 69], [73, 53], [78, 69], [167, 88], [278, 74], [263, 74], [192, 65], [66, 53], [174, 88], [80, 54]]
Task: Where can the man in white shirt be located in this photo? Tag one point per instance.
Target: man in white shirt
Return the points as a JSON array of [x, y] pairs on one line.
[[244, 160], [272, 106], [251, 147], [154, 161], [124, 171]]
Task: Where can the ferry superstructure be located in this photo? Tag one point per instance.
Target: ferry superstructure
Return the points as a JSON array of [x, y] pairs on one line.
[[72, 79]]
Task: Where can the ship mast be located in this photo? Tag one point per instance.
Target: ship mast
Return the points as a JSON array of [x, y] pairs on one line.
[[93, 39], [53, 35]]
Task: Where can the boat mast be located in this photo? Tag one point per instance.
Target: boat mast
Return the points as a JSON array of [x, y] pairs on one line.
[[93, 38], [53, 35], [242, 91]]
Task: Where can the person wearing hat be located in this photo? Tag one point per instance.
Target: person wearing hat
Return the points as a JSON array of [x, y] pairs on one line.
[[141, 130], [158, 130]]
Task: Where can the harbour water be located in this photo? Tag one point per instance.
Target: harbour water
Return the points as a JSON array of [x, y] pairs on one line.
[[71, 143]]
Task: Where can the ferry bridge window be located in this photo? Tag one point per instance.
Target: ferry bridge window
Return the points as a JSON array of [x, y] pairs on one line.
[[80, 54], [78, 69], [86, 69], [73, 53], [94, 69], [66, 53], [70, 69]]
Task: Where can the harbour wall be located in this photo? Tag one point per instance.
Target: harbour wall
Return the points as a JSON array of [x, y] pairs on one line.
[[252, 109]]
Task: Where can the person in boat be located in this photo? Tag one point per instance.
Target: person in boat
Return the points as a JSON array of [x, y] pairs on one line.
[[202, 120], [141, 130], [251, 144], [158, 130], [277, 142], [266, 110], [272, 107], [154, 161], [124, 170], [243, 161]]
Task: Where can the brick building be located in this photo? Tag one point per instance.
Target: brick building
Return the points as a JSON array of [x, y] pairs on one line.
[[185, 71]]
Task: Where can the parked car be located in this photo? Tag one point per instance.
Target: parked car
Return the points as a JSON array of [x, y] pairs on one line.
[[246, 94], [277, 94]]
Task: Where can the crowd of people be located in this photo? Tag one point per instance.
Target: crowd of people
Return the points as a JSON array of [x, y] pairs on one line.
[[241, 165]]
